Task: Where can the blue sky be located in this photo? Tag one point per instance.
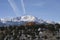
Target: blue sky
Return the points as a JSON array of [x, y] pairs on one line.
[[44, 9]]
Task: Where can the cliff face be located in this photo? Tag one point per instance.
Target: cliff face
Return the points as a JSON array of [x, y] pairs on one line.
[[30, 23]]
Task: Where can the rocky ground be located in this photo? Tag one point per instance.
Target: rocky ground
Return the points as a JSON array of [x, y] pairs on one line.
[[31, 31]]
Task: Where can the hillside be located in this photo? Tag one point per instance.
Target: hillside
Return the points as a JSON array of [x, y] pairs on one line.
[[30, 31], [29, 28]]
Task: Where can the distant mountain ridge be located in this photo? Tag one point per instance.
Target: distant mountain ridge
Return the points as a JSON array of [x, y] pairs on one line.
[[21, 20]]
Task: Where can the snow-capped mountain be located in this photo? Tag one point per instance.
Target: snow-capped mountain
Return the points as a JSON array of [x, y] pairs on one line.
[[29, 18], [50, 22], [21, 20]]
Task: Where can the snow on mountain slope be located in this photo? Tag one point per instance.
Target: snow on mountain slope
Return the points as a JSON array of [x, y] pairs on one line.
[[50, 22], [17, 19], [28, 18], [22, 20], [58, 22]]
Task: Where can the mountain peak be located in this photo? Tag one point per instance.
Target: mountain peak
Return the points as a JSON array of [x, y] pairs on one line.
[[24, 19], [28, 18]]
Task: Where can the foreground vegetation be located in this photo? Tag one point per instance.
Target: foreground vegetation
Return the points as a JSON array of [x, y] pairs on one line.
[[31, 31]]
